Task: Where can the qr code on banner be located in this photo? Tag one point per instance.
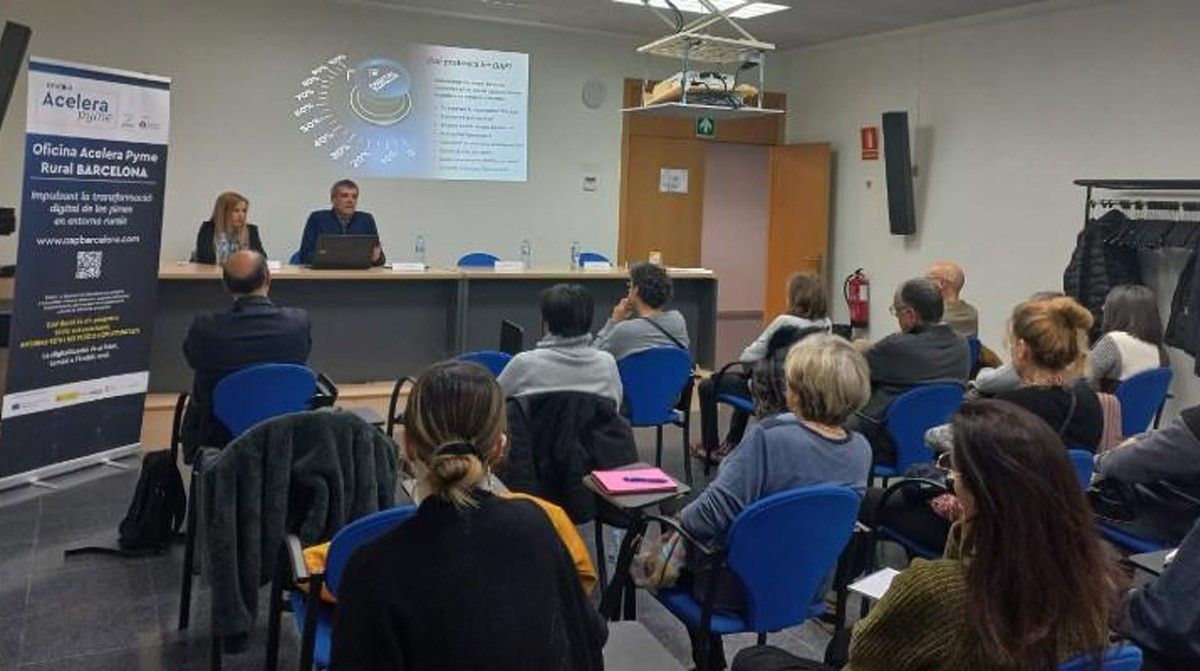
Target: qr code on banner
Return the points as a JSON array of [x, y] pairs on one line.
[[87, 265]]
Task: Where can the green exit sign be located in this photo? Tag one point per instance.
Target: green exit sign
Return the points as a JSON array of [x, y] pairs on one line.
[[706, 126]]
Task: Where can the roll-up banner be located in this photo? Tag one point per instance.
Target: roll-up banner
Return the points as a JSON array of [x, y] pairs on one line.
[[87, 265]]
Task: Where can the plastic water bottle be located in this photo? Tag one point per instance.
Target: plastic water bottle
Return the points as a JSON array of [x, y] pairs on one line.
[[419, 250], [575, 255], [526, 253]]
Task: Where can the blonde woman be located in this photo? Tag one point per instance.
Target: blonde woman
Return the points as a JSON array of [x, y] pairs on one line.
[[473, 580], [227, 231], [827, 380]]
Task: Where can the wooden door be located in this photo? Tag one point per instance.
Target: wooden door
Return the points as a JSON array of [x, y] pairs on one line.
[[798, 225], [653, 220]]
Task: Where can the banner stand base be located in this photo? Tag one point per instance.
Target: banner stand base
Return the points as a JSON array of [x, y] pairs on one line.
[[39, 476]]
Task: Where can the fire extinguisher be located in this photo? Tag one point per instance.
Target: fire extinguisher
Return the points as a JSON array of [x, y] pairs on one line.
[[857, 290]]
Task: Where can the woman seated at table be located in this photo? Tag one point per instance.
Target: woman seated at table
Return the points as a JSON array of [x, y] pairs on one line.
[[638, 321], [227, 231], [472, 580], [807, 308], [1025, 582], [1132, 340], [827, 380], [564, 360]]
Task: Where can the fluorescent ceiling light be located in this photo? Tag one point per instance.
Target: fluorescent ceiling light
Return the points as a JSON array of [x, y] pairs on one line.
[[749, 11]]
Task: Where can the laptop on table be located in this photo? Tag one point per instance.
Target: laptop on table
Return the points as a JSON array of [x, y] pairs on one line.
[[344, 252]]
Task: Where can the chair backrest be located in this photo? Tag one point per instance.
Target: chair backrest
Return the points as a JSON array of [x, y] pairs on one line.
[[916, 411], [294, 259], [488, 358], [478, 260], [1083, 461], [356, 534], [1125, 657], [652, 381], [975, 347], [783, 546], [256, 393], [1141, 396], [594, 257]]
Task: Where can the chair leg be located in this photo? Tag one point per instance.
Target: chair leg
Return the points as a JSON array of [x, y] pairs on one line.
[[762, 638], [189, 557], [687, 454], [601, 559], [658, 442], [274, 615]]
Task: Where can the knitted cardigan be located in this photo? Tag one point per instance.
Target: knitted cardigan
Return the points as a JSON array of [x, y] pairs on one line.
[[921, 622]]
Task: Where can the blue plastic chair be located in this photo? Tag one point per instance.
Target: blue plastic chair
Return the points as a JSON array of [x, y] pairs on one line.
[[1142, 396], [248, 396], [478, 260], [781, 548], [1083, 461], [594, 257], [294, 259], [908, 418], [653, 381], [491, 359], [316, 630], [1122, 657], [975, 347], [1127, 541]]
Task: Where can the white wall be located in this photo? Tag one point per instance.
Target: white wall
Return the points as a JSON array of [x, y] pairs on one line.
[[236, 66], [1008, 110]]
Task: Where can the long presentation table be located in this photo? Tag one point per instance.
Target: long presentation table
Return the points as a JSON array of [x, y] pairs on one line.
[[378, 324]]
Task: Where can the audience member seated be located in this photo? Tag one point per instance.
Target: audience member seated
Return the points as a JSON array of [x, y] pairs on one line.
[[472, 580], [564, 360], [956, 313], [227, 231], [768, 378], [1154, 480], [807, 308], [1003, 377], [1025, 582], [638, 321], [1132, 340], [253, 331], [925, 350], [827, 379], [1163, 618], [343, 218], [1047, 339]]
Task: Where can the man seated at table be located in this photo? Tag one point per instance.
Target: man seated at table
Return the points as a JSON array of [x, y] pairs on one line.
[[563, 360], [342, 219], [253, 331], [638, 321], [925, 350]]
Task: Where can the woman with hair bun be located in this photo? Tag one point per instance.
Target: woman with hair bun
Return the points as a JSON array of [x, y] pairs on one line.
[[473, 580], [1049, 352]]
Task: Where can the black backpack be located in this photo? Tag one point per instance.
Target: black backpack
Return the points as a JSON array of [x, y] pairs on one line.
[[158, 507]]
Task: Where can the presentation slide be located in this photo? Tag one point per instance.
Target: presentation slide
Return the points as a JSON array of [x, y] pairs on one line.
[[426, 112]]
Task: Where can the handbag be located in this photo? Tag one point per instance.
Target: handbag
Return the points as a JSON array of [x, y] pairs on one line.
[[658, 561]]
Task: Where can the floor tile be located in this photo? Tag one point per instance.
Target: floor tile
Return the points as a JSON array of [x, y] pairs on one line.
[[77, 629], [116, 581]]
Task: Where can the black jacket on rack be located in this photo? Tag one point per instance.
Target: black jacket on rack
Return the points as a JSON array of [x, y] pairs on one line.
[[1097, 266], [1181, 325]]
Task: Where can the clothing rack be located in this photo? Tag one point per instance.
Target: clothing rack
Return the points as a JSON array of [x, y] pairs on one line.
[[1155, 219]]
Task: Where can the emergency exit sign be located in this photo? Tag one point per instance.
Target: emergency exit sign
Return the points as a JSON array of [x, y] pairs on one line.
[[706, 126]]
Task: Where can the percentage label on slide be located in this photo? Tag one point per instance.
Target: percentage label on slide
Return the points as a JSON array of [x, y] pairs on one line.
[[356, 113]]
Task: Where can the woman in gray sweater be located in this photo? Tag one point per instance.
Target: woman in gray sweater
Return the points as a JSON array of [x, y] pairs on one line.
[[827, 380], [638, 321]]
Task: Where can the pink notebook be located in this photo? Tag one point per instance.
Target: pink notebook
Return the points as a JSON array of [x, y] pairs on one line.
[[635, 481]]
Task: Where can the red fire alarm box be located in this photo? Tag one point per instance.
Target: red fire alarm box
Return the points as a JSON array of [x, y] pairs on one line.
[[870, 143]]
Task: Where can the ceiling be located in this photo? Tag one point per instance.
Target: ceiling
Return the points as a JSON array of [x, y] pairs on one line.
[[807, 22]]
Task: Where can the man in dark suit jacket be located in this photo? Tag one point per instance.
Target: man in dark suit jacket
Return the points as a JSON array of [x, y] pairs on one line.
[[925, 350], [253, 331], [342, 219]]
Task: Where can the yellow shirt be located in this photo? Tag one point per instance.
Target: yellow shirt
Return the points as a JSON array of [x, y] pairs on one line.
[[315, 556]]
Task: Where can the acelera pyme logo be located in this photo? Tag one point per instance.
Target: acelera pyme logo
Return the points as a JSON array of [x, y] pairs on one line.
[[66, 103]]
